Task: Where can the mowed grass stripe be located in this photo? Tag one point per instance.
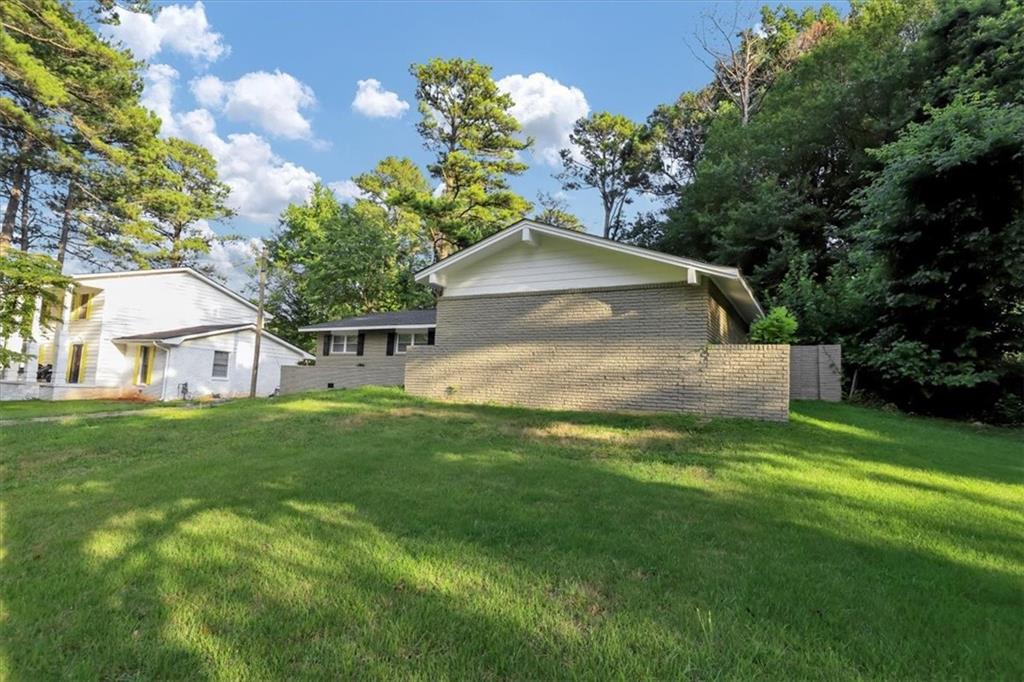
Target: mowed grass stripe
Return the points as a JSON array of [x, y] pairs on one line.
[[369, 534]]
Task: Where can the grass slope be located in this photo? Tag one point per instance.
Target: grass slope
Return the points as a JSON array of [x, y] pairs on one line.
[[369, 534]]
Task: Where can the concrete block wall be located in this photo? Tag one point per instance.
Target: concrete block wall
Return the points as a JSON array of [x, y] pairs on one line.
[[637, 348], [816, 372], [373, 368]]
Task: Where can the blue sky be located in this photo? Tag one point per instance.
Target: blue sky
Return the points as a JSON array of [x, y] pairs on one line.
[[269, 86]]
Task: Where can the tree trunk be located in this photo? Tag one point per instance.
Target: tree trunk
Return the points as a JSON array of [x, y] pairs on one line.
[[11, 213], [65, 223], [607, 220], [175, 257], [26, 186]]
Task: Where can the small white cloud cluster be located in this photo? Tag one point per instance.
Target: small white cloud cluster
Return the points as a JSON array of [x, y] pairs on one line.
[[232, 261], [373, 101], [546, 110], [178, 28], [271, 101], [347, 191]]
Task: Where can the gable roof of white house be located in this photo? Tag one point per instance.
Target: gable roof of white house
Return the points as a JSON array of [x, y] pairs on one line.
[[729, 280], [167, 271], [175, 337], [400, 319]]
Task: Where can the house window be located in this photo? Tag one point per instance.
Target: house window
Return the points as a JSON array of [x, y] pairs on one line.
[[346, 343], [220, 364], [404, 341], [76, 363], [82, 306], [144, 365]]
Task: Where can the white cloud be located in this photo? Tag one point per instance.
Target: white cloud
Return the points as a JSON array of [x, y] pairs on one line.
[[347, 191], [209, 91], [232, 260], [271, 101], [178, 28], [261, 182], [374, 102], [546, 110], [158, 96]]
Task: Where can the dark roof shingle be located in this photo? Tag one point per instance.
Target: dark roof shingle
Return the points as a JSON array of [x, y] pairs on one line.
[[184, 331], [427, 318]]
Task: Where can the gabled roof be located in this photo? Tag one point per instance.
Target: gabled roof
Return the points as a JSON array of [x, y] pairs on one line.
[[175, 337], [402, 319], [199, 330], [166, 271], [728, 279]]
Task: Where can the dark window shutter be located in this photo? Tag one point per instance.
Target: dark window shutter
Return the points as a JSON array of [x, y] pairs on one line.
[[327, 345], [391, 343], [360, 343], [430, 337]]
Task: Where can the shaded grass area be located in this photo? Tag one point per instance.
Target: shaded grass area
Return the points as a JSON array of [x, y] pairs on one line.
[[369, 534], [28, 409]]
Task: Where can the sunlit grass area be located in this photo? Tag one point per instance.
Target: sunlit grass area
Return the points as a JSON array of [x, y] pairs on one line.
[[28, 409], [369, 534]]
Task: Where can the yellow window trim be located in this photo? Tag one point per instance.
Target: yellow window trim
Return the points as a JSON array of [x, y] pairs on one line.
[[148, 379], [138, 364], [81, 364], [82, 307]]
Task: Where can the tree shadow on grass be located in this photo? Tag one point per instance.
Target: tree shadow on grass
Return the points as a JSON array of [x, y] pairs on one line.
[[425, 540]]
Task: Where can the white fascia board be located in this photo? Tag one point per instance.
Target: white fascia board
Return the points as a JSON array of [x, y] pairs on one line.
[[168, 271], [431, 325], [178, 340], [249, 327], [522, 225]]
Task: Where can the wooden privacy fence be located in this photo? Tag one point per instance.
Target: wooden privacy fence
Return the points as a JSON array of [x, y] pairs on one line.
[[816, 372]]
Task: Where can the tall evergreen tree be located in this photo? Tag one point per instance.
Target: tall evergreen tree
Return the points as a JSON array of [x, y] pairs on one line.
[[466, 122]]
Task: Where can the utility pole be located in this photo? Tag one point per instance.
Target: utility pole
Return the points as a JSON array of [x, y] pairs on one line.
[[262, 265]]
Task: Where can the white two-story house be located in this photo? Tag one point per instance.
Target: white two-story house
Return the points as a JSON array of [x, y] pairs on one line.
[[153, 334]]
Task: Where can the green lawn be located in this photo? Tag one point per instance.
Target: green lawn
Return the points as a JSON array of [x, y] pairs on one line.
[[368, 534], [27, 409]]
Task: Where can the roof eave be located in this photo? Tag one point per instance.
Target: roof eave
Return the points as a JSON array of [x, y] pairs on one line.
[[178, 340], [425, 325]]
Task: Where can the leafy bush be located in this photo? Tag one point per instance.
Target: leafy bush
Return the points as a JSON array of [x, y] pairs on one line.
[[778, 326]]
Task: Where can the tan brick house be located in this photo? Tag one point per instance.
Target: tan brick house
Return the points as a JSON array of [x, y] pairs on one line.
[[540, 316]]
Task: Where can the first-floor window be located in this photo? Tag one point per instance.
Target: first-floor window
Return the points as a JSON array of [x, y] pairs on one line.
[[220, 364], [144, 375], [76, 363], [344, 343], [411, 339]]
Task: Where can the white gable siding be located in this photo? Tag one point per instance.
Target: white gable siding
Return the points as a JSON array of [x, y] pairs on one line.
[[192, 363], [152, 303], [553, 265]]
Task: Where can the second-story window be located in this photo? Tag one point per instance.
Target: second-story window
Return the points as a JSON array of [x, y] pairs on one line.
[[81, 307]]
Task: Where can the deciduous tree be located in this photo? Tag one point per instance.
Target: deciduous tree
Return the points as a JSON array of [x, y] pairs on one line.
[[612, 155]]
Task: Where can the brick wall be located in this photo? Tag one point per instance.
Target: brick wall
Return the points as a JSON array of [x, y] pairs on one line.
[[637, 348], [816, 372], [724, 324], [374, 367], [744, 380]]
